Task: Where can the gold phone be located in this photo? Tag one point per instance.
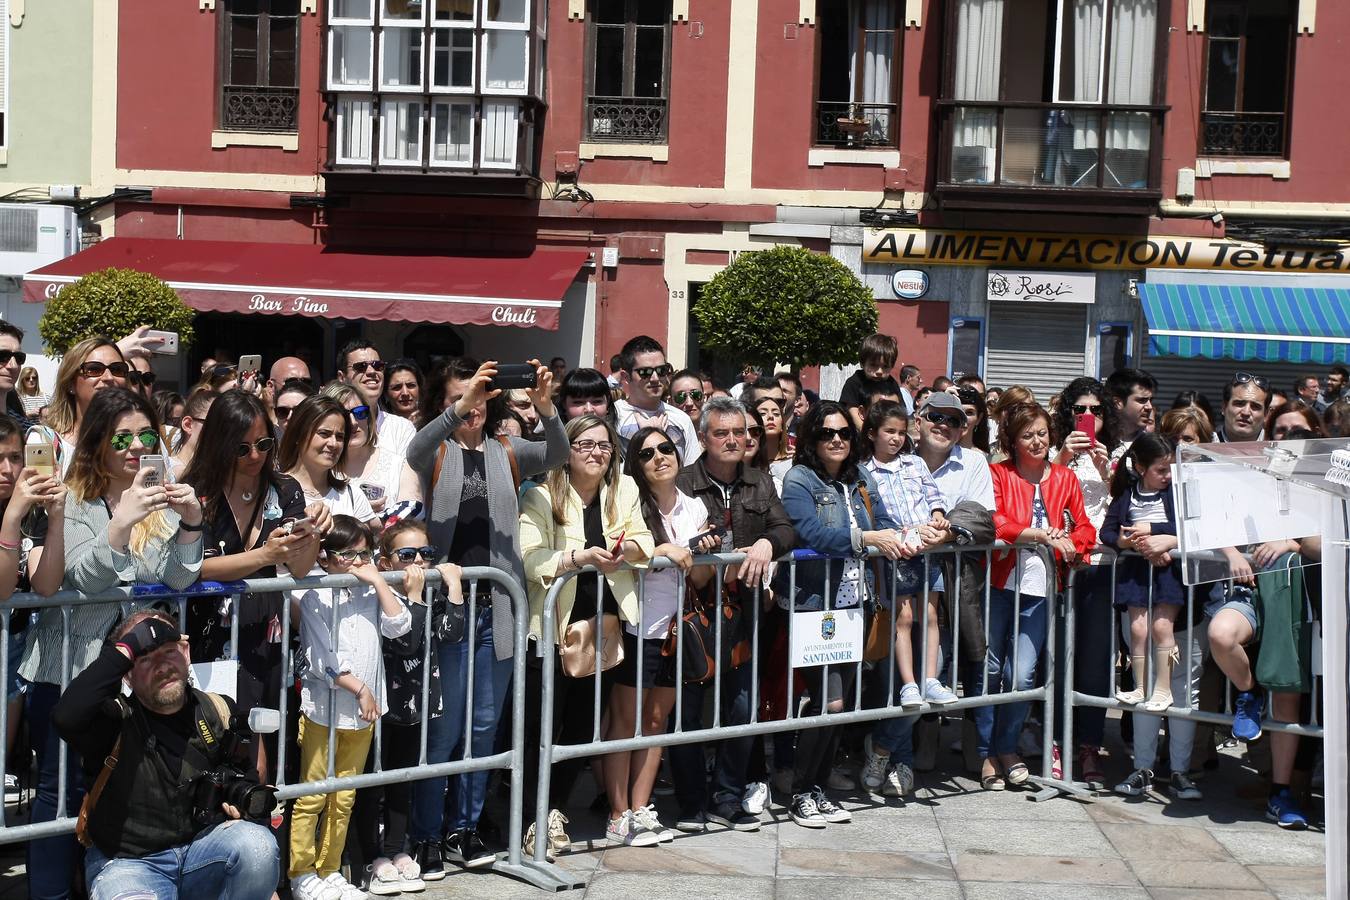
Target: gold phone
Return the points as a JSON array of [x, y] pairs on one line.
[[40, 457]]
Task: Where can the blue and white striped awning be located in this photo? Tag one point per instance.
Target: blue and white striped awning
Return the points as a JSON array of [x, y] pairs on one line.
[[1248, 322]]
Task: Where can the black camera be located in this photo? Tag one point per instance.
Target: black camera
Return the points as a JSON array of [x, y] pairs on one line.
[[232, 784]]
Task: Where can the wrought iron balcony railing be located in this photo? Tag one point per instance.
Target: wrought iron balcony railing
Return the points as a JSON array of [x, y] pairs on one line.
[[626, 120], [845, 124], [251, 108], [1242, 134]]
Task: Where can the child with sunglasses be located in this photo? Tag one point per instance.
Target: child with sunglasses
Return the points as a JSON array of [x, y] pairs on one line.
[[341, 695]]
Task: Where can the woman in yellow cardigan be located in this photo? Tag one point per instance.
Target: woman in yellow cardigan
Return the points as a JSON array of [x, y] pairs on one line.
[[586, 513]]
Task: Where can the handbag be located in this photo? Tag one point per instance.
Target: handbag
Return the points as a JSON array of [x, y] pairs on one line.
[[698, 629], [577, 650], [878, 643]]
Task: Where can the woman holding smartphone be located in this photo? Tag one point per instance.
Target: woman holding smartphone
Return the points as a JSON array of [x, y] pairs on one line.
[[383, 475]]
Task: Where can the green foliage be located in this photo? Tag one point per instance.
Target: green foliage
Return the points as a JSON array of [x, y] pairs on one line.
[[785, 305], [113, 302]]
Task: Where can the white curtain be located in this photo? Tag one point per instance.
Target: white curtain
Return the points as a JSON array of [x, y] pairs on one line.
[[1134, 37], [501, 128], [872, 23], [979, 58], [1085, 29]]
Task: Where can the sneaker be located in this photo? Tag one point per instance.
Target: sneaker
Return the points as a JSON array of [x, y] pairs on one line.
[[1183, 788], [937, 693], [1138, 784], [874, 767], [910, 697], [465, 848], [383, 878], [626, 831], [840, 780], [695, 823], [1090, 765], [311, 887], [427, 854], [558, 839], [756, 797], [346, 890], [899, 781], [1247, 715], [1283, 810], [729, 815], [409, 873], [805, 813], [647, 818], [12, 790], [833, 813]]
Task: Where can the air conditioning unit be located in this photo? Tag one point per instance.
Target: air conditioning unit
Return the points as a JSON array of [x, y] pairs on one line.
[[33, 235]]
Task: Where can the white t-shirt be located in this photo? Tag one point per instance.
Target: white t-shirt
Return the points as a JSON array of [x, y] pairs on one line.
[[629, 420], [1033, 562], [349, 501], [394, 434], [661, 593]]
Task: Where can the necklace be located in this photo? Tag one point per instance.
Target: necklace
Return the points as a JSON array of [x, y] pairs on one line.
[[246, 496]]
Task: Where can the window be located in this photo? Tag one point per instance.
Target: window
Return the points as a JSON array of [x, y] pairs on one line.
[[1053, 93], [1248, 64], [628, 71], [859, 76], [259, 52], [434, 84], [965, 347], [1115, 347]]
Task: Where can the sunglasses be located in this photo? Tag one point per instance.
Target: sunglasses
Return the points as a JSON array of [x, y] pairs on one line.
[[352, 555], [96, 369], [755, 432], [682, 396], [283, 412], [666, 448], [1082, 409], [941, 418], [589, 446], [222, 370], [828, 434], [1248, 378], [360, 367], [262, 445], [122, 440], [359, 413], [140, 379], [17, 355], [408, 554], [645, 372]]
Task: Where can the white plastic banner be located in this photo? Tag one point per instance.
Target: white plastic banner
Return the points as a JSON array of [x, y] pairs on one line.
[[827, 638]]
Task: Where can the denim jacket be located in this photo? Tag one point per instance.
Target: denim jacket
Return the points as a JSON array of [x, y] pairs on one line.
[[816, 508]]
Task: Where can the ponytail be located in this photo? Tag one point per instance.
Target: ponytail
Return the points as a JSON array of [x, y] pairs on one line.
[[1144, 452]]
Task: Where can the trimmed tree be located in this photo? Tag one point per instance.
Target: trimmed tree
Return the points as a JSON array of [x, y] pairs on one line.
[[785, 305], [113, 302]]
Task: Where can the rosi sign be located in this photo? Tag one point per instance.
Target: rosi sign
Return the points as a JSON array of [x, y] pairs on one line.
[[1053, 287]]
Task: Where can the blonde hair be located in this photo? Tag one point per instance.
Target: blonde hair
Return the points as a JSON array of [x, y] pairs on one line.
[[1016, 395], [559, 481], [23, 378], [1176, 420], [62, 411], [342, 391]]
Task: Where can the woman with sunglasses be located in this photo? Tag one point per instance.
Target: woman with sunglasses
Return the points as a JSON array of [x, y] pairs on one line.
[[403, 391], [120, 526], [837, 511], [250, 511], [92, 365], [383, 475], [686, 392], [313, 451], [30, 392]]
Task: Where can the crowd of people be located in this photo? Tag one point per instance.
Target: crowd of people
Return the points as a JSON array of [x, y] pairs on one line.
[[389, 468]]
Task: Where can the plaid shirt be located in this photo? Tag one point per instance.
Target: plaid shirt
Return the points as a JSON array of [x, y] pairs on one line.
[[906, 487]]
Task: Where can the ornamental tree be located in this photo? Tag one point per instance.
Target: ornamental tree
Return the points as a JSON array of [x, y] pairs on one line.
[[113, 302], [785, 305]]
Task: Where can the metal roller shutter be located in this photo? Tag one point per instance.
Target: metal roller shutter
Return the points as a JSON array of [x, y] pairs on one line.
[[1176, 374], [1040, 345]]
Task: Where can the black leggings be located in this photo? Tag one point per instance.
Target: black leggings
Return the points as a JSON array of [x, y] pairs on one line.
[[573, 723], [399, 746], [816, 747]]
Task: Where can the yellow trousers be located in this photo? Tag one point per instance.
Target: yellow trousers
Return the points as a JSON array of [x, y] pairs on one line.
[[321, 852]]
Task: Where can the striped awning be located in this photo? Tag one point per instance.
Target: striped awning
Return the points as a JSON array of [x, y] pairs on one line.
[[1248, 322]]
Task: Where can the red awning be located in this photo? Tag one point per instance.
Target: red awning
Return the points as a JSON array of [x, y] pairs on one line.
[[309, 280]]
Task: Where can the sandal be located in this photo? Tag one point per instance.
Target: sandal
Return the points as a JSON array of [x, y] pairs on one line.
[[993, 782], [1018, 773]]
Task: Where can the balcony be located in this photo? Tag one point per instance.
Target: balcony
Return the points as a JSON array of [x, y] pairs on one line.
[[1088, 157], [252, 108], [1242, 134], [626, 120], [855, 125]]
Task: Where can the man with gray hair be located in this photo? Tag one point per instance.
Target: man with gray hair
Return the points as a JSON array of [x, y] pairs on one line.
[[742, 502]]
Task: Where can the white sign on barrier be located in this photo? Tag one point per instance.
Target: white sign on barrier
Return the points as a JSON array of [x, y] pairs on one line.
[[827, 638]]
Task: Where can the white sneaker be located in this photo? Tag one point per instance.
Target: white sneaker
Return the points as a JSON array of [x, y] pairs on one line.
[[910, 696], [409, 873], [756, 797], [937, 693], [647, 818], [873, 767], [12, 791], [384, 879], [346, 890], [311, 887], [899, 781], [840, 780], [626, 831]]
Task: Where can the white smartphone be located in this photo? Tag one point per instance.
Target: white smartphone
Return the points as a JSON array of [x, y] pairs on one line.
[[299, 526], [170, 345], [249, 364], [154, 461]]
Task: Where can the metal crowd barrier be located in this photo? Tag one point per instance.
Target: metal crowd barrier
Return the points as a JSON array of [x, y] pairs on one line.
[[540, 874]]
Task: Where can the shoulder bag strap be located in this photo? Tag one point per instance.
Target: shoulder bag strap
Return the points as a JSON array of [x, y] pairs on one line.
[[511, 459], [91, 798], [436, 470]]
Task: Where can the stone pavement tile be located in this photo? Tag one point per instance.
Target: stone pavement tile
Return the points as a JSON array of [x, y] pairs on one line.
[[965, 799], [1042, 870], [765, 840], [622, 886], [1068, 839], [1293, 882], [991, 890], [842, 888], [1169, 842], [1193, 894], [1194, 873], [1272, 847], [909, 830], [1158, 809], [688, 860], [795, 861], [463, 885]]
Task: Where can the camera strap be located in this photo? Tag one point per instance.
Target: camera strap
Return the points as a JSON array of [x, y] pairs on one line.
[[91, 798]]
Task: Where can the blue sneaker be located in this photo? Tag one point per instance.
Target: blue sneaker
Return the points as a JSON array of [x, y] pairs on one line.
[[1247, 716], [1284, 812]]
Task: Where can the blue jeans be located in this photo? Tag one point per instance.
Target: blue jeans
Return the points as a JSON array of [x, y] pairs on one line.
[[999, 726], [733, 754], [445, 735], [235, 860], [51, 860], [896, 735]]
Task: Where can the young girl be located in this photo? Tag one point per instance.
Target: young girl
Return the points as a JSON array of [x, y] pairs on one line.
[[1141, 518], [404, 548], [341, 694], [914, 501]]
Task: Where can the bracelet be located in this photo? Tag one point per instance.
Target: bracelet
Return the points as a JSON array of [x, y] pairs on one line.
[[14, 548], [186, 527], [574, 559]]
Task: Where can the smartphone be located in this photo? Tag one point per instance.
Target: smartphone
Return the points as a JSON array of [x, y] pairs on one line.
[[155, 462], [40, 456], [715, 531], [249, 364], [618, 542], [170, 345], [1086, 423], [299, 526], [373, 492], [511, 376]]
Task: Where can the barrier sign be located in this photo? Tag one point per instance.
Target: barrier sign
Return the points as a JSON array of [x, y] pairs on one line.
[[827, 638]]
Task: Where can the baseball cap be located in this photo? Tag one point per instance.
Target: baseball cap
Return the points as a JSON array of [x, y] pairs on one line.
[[945, 402]]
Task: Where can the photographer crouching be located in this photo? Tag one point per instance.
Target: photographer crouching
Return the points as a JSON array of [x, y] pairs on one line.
[[169, 791]]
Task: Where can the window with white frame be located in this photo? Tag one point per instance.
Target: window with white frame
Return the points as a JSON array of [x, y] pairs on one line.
[[434, 84]]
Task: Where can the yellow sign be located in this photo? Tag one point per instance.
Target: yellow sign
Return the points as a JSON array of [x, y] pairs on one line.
[[908, 246]]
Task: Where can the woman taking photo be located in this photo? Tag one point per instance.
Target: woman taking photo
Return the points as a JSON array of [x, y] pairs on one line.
[[92, 365], [1038, 502], [588, 513], [403, 391], [384, 476], [835, 507], [313, 451], [121, 527], [473, 514]]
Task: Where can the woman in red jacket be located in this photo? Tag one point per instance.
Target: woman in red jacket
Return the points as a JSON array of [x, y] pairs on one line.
[[1035, 502]]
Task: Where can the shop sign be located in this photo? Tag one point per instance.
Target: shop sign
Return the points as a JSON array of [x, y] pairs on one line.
[[928, 246], [1048, 287], [909, 284]]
